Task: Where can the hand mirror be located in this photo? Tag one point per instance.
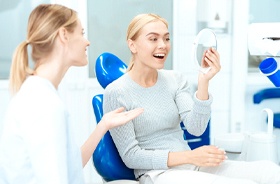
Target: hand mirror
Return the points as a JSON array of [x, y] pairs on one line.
[[205, 39]]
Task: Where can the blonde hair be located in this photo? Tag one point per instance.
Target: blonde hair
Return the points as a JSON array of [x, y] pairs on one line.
[[136, 24], [43, 24]]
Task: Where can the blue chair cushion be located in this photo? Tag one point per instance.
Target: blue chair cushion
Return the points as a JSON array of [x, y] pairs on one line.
[[108, 68], [197, 141], [106, 158]]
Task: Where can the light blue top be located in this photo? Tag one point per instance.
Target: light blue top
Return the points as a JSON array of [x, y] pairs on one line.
[[37, 146], [144, 143]]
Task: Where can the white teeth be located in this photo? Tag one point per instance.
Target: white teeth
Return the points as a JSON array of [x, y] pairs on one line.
[[160, 55]]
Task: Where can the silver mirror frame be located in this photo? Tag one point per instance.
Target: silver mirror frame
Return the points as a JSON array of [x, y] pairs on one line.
[[207, 38]]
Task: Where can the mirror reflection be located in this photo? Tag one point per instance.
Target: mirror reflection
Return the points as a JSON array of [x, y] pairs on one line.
[[205, 39]]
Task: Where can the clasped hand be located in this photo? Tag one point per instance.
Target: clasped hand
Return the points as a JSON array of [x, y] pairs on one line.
[[208, 156]]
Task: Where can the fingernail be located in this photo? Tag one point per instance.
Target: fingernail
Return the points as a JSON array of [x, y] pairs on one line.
[[222, 149]]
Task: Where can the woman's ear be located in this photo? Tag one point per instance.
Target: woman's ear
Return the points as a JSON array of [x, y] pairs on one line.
[[131, 46], [63, 34]]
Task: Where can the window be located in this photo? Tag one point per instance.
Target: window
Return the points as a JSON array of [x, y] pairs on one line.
[[13, 17], [108, 21]]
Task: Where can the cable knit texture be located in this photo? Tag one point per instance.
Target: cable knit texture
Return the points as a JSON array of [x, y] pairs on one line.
[[144, 143]]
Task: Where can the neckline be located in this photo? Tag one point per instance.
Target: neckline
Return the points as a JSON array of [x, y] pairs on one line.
[[42, 79], [135, 84]]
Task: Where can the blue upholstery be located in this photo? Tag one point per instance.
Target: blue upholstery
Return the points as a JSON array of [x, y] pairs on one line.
[[194, 141], [106, 158], [108, 68], [265, 94]]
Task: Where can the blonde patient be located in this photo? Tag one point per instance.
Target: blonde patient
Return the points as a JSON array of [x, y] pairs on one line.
[[152, 144]]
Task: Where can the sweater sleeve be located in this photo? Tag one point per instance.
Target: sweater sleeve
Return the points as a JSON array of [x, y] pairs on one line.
[[124, 136], [194, 113]]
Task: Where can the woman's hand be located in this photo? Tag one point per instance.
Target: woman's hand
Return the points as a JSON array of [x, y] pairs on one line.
[[211, 58], [109, 120], [202, 156], [119, 117], [207, 156]]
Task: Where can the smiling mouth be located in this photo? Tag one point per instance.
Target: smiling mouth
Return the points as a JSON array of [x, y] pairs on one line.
[[159, 56]]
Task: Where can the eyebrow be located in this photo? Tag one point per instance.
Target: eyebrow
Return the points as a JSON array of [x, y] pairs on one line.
[[154, 33]]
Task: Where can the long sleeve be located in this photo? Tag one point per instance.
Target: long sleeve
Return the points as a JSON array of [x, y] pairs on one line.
[[194, 113], [144, 143]]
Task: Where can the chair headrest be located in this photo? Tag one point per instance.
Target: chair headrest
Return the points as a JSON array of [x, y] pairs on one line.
[[108, 68]]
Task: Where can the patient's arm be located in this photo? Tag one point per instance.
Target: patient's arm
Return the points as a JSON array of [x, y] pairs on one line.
[[202, 156]]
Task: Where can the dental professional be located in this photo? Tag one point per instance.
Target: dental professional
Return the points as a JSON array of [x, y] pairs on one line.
[[152, 144], [37, 146]]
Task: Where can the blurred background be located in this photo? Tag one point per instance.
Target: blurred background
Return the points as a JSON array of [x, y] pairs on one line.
[[105, 23]]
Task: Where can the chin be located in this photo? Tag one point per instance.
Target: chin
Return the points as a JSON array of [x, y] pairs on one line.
[[82, 63], [160, 66]]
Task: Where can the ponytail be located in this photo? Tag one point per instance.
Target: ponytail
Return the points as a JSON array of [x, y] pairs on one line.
[[43, 24], [19, 67]]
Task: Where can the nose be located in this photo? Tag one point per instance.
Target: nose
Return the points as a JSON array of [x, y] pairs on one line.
[[162, 44], [88, 43]]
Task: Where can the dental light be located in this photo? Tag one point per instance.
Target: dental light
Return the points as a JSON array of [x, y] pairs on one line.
[[264, 40]]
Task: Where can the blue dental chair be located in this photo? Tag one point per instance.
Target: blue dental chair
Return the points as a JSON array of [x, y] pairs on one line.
[[106, 158]]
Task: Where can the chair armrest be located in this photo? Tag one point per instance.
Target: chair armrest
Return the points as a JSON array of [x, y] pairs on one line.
[[266, 94]]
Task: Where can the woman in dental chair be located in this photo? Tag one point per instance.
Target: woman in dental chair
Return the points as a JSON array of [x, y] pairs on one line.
[[152, 144], [37, 145]]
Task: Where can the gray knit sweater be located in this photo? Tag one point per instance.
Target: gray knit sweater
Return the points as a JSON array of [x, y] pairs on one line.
[[144, 143]]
